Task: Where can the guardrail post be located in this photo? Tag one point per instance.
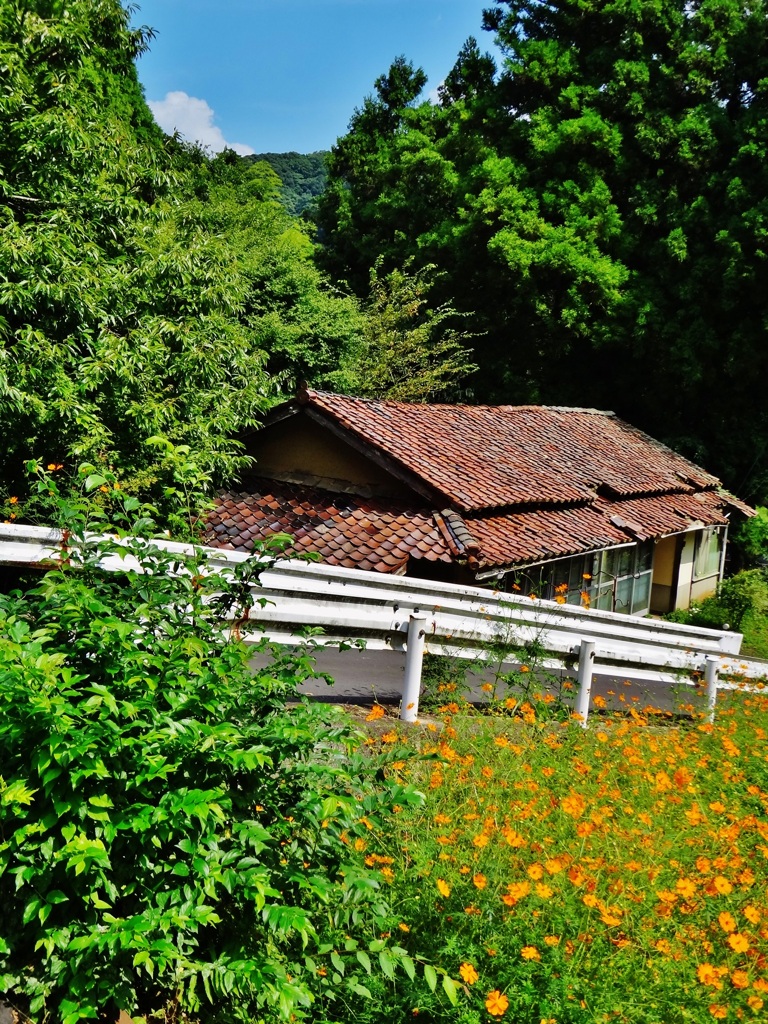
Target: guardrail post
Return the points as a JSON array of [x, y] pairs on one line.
[[414, 657], [586, 667], [710, 676]]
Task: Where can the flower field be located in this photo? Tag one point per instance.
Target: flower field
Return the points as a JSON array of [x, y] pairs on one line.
[[564, 876]]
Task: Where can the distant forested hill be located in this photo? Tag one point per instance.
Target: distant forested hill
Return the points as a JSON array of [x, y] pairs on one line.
[[303, 176]]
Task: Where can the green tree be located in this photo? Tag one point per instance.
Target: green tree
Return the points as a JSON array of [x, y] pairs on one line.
[[146, 290], [118, 315], [303, 177], [598, 206], [409, 351]]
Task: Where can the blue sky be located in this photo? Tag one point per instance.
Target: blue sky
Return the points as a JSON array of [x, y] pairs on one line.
[[279, 75]]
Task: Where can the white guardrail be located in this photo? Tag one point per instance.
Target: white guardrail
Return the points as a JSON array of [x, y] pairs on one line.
[[403, 614]]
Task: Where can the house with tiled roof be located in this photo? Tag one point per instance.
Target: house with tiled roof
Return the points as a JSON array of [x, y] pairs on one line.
[[555, 501]]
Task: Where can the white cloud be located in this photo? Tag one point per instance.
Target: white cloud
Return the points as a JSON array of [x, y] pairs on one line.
[[193, 119]]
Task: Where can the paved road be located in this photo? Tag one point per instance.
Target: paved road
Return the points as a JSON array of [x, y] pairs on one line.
[[364, 676]]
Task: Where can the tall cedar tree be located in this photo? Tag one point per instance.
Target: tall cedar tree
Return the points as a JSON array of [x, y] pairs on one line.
[[599, 205]]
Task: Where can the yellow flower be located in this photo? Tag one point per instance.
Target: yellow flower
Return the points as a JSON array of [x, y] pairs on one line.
[[727, 921], [377, 711], [709, 975], [479, 881], [13, 501], [610, 919], [740, 979], [530, 953], [686, 887], [496, 1003], [722, 885], [717, 1011], [468, 973], [443, 888], [552, 940], [739, 943], [574, 805], [752, 915], [535, 871]]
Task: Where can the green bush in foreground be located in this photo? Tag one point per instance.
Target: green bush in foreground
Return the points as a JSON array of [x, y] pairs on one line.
[[173, 837]]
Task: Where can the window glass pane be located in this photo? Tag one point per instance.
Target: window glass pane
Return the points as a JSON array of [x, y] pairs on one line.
[[707, 556], [624, 595], [604, 597], [608, 564], [645, 556], [641, 593], [625, 561]]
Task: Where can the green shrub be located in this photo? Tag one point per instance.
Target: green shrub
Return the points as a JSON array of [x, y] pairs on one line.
[[746, 592], [173, 835], [751, 538]]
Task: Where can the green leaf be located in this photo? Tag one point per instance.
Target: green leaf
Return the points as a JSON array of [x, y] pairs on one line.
[[430, 976], [409, 967], [450, 989], [386, 964]]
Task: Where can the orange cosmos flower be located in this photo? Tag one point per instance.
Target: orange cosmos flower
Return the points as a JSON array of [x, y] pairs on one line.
[[543, 891], [377, 711], [535, 871], [496, 1003], [530, 953], [751, 914], [574, 805], [755, 1003], [686, 887], [519, 890], [740, 979], [718, 1011], [468, 974], [722, 885], [739, 943], [443, 888], [727, 921], [479, 881], [610, 919], [709, 975]]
